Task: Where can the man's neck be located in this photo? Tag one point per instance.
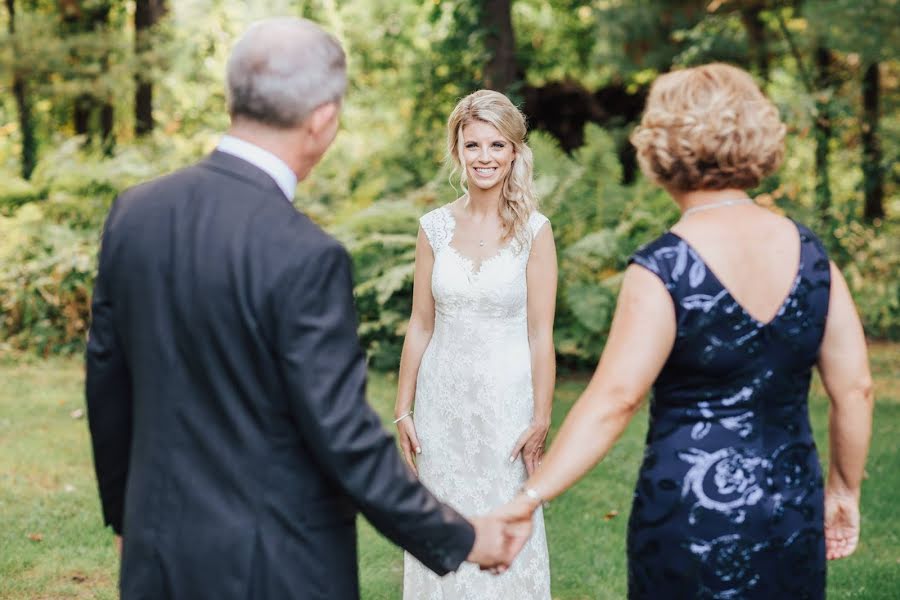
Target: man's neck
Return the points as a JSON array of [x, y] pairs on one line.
[[283, 143]]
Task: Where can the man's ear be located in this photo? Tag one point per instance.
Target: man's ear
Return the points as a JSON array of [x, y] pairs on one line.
[[321, 118]]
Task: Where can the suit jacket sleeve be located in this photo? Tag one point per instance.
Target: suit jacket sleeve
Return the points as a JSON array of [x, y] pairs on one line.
[[325, 370], [108, 391]]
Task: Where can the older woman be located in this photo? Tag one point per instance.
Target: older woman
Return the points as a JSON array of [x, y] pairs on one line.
[[725, 315]]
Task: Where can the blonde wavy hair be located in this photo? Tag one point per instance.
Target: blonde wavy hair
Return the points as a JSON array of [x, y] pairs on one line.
[[517, 196], [708, 128]]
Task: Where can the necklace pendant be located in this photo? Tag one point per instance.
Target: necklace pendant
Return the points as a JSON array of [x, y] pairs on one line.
[[481, 242]]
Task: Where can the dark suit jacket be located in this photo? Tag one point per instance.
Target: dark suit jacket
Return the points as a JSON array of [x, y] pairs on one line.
[[225, 390]]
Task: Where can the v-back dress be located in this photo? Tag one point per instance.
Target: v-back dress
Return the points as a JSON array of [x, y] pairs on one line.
[[729, 499], [474, 398]]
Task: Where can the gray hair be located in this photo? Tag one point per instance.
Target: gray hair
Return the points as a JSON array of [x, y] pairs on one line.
[[282, 69]]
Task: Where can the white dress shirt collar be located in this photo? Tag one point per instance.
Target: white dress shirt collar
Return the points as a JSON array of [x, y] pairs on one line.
[[276, 168]]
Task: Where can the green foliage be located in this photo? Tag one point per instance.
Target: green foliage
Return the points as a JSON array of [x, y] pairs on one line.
[[15, 192], [382, 242], [597, 225], [46, 280], [409, 62], [870, 261]]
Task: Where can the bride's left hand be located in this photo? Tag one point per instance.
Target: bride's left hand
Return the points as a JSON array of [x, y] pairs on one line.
[[531, 445]]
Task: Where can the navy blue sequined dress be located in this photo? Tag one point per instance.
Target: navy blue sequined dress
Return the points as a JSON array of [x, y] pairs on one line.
[[729, 499]]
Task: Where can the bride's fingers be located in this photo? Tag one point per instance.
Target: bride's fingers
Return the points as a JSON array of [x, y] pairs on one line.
[[520, 445], [533, 455], [414, 439], [406, 450]]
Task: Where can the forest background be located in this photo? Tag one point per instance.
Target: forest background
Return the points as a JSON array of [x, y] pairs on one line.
[[98, 95]]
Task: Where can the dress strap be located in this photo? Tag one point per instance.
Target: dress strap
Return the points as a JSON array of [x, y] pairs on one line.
[[438, 226], [535, 222]]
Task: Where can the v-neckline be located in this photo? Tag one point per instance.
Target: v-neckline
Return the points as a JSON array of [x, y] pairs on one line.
[[779, 310], [468, 261]]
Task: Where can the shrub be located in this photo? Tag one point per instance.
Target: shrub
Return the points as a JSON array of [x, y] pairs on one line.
[[46, 280]]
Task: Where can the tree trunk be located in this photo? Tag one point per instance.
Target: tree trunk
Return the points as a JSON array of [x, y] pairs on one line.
[[501, 70], [873, 174], [90, 114], [147, 13], [107, 140], [20, 92], [756, 36], [81, 114], [823, 134]]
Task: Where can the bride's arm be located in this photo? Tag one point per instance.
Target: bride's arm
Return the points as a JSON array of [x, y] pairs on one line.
[[541, 278], [418, 335], [640, 340]]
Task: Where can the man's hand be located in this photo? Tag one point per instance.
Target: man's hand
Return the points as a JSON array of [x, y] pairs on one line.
[[119, 545], [498, 541]]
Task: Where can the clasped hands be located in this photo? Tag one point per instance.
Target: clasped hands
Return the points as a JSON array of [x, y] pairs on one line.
[[499, 536]]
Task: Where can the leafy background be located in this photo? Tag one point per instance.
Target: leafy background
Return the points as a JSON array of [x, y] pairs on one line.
[[580, 69]]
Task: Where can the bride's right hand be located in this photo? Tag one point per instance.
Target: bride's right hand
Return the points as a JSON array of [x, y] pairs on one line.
[[409, 443]]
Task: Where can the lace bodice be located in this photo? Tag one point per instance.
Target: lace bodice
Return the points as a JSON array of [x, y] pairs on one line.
[[495, 287]]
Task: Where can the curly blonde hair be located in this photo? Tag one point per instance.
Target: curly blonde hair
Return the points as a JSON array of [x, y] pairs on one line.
[[517, 196], [708, 128]]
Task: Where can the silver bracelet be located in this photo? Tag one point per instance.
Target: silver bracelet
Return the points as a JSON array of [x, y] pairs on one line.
[[534, 495], [403, 416]]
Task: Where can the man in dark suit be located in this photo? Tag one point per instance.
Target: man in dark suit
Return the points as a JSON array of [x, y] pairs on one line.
[[225, 382]]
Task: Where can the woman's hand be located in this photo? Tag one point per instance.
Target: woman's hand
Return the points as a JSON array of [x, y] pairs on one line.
[[531, 445], [409, 443], [841, 524]]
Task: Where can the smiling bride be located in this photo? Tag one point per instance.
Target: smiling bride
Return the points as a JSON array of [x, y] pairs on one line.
[[478, 361]]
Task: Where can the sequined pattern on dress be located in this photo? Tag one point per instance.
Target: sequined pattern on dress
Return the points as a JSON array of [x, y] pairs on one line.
[[729, 498]]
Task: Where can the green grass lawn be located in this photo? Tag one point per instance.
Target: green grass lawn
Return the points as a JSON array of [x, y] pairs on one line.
[[52, 544]]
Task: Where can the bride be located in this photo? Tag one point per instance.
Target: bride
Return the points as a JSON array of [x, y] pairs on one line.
[[478, 358]]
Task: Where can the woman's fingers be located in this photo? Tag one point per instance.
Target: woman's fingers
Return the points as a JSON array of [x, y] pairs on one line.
[[407, 453], [413, 438], [841, 526], [409, 445], [520, 444], [839, 547], [533, 451]]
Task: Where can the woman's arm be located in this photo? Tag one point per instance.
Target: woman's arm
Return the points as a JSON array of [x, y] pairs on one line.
[[844, 367], [541, 280], [418, 335], [639, 343]]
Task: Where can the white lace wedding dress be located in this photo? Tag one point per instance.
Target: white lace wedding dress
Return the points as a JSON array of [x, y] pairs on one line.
[[473, 400]]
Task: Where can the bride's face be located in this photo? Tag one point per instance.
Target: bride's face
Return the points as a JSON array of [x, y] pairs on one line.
[[488, 155]]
